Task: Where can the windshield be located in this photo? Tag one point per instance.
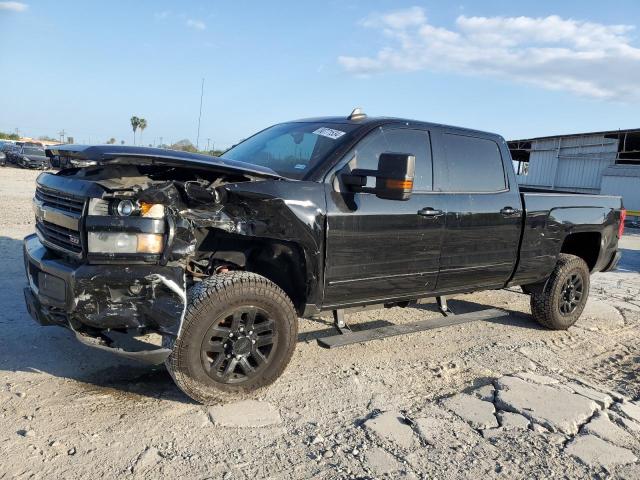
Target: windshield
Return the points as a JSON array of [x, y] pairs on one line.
[[291, 149], [33, 151]]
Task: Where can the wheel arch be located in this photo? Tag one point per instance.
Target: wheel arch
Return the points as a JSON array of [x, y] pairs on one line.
[[586, 245], [282, 262]]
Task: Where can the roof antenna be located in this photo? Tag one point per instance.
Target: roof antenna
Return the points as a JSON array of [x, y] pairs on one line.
[[357, 114]]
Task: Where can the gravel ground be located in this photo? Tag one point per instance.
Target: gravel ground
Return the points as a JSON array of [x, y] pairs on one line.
[[502, 399]]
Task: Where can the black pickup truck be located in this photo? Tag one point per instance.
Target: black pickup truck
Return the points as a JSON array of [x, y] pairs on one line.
[[221, 256]]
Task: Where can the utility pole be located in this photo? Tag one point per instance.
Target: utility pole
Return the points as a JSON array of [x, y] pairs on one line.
[[208, 140], [17, 131], [62, 134], [160, 142], [200, 116]]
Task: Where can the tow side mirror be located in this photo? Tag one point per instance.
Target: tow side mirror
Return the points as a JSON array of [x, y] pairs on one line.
[[396, 172], [394, 177]]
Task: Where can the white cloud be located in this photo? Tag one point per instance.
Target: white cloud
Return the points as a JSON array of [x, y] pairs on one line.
[[13, 6], [408, 17], [585, 58], [196, 24]]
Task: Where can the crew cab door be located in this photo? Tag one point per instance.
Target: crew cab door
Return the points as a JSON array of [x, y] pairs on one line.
[[376, 248], [484, 211]]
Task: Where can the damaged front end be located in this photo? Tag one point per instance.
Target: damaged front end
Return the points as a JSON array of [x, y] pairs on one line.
[[95, 300], [115, 247]]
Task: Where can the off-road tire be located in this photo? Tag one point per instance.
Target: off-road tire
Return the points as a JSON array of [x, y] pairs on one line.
[[545, 306], [207, 301]]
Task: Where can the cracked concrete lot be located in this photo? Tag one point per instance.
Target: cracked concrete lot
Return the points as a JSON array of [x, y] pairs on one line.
[[503, 399]]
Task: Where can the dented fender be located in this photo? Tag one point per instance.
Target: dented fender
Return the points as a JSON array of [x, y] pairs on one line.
[[291, 212]]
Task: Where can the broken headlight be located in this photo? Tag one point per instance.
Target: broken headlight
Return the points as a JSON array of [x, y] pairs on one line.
[[123, 242], [125, 208]]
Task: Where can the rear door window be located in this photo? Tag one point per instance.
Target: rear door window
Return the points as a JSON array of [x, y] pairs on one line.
[[470, 164]]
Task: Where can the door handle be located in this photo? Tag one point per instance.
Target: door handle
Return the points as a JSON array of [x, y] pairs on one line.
[[429, 212], [509, 211]]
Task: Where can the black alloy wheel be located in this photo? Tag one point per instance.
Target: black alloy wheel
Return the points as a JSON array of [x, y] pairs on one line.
[[571, 294], [239, 345]]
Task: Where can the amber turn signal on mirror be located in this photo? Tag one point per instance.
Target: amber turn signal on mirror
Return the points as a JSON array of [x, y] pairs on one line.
[[394, 184]]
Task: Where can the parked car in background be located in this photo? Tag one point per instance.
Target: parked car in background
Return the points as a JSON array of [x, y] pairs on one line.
[[14, 154], [3, 156], [31, 156], [8, 149]]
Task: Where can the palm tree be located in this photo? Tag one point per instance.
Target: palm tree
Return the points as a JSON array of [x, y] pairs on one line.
[[135, 123], [142, 124]]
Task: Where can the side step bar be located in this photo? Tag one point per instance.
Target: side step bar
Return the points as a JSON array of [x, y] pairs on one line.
[[352, 337]]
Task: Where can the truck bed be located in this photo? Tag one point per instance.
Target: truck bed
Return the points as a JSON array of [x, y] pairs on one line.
[[551, 217]]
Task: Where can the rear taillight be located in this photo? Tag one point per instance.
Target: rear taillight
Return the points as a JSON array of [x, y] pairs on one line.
[[623, 215]]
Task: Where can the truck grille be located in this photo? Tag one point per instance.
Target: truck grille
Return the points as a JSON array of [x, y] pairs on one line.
[[59, 200], [59, 236]]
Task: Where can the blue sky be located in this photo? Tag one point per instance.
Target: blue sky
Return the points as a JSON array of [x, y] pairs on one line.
[[88, 66]]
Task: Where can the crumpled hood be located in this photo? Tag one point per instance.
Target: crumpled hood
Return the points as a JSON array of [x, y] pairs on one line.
[[127, 155]]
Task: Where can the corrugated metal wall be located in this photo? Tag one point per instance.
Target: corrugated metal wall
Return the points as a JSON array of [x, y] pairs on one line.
[[542, 164], [625, 181], [583, 163], [570, 162]]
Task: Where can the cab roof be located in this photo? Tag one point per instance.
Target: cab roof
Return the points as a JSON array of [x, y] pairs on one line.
[[376, 121]]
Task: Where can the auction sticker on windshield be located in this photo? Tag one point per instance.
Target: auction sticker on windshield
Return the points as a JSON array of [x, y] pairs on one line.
[[329, 133]]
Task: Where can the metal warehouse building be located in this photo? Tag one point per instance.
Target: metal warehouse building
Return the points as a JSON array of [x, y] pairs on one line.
[[598, 162]]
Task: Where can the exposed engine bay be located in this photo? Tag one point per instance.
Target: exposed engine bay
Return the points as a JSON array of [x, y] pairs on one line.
[[190, 201]]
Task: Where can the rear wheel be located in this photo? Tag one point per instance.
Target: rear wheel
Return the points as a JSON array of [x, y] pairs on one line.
[[564, 296], [238, 335]]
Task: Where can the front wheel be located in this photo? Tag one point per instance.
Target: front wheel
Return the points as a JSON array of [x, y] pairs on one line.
[[564, 296], [238, 335]]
